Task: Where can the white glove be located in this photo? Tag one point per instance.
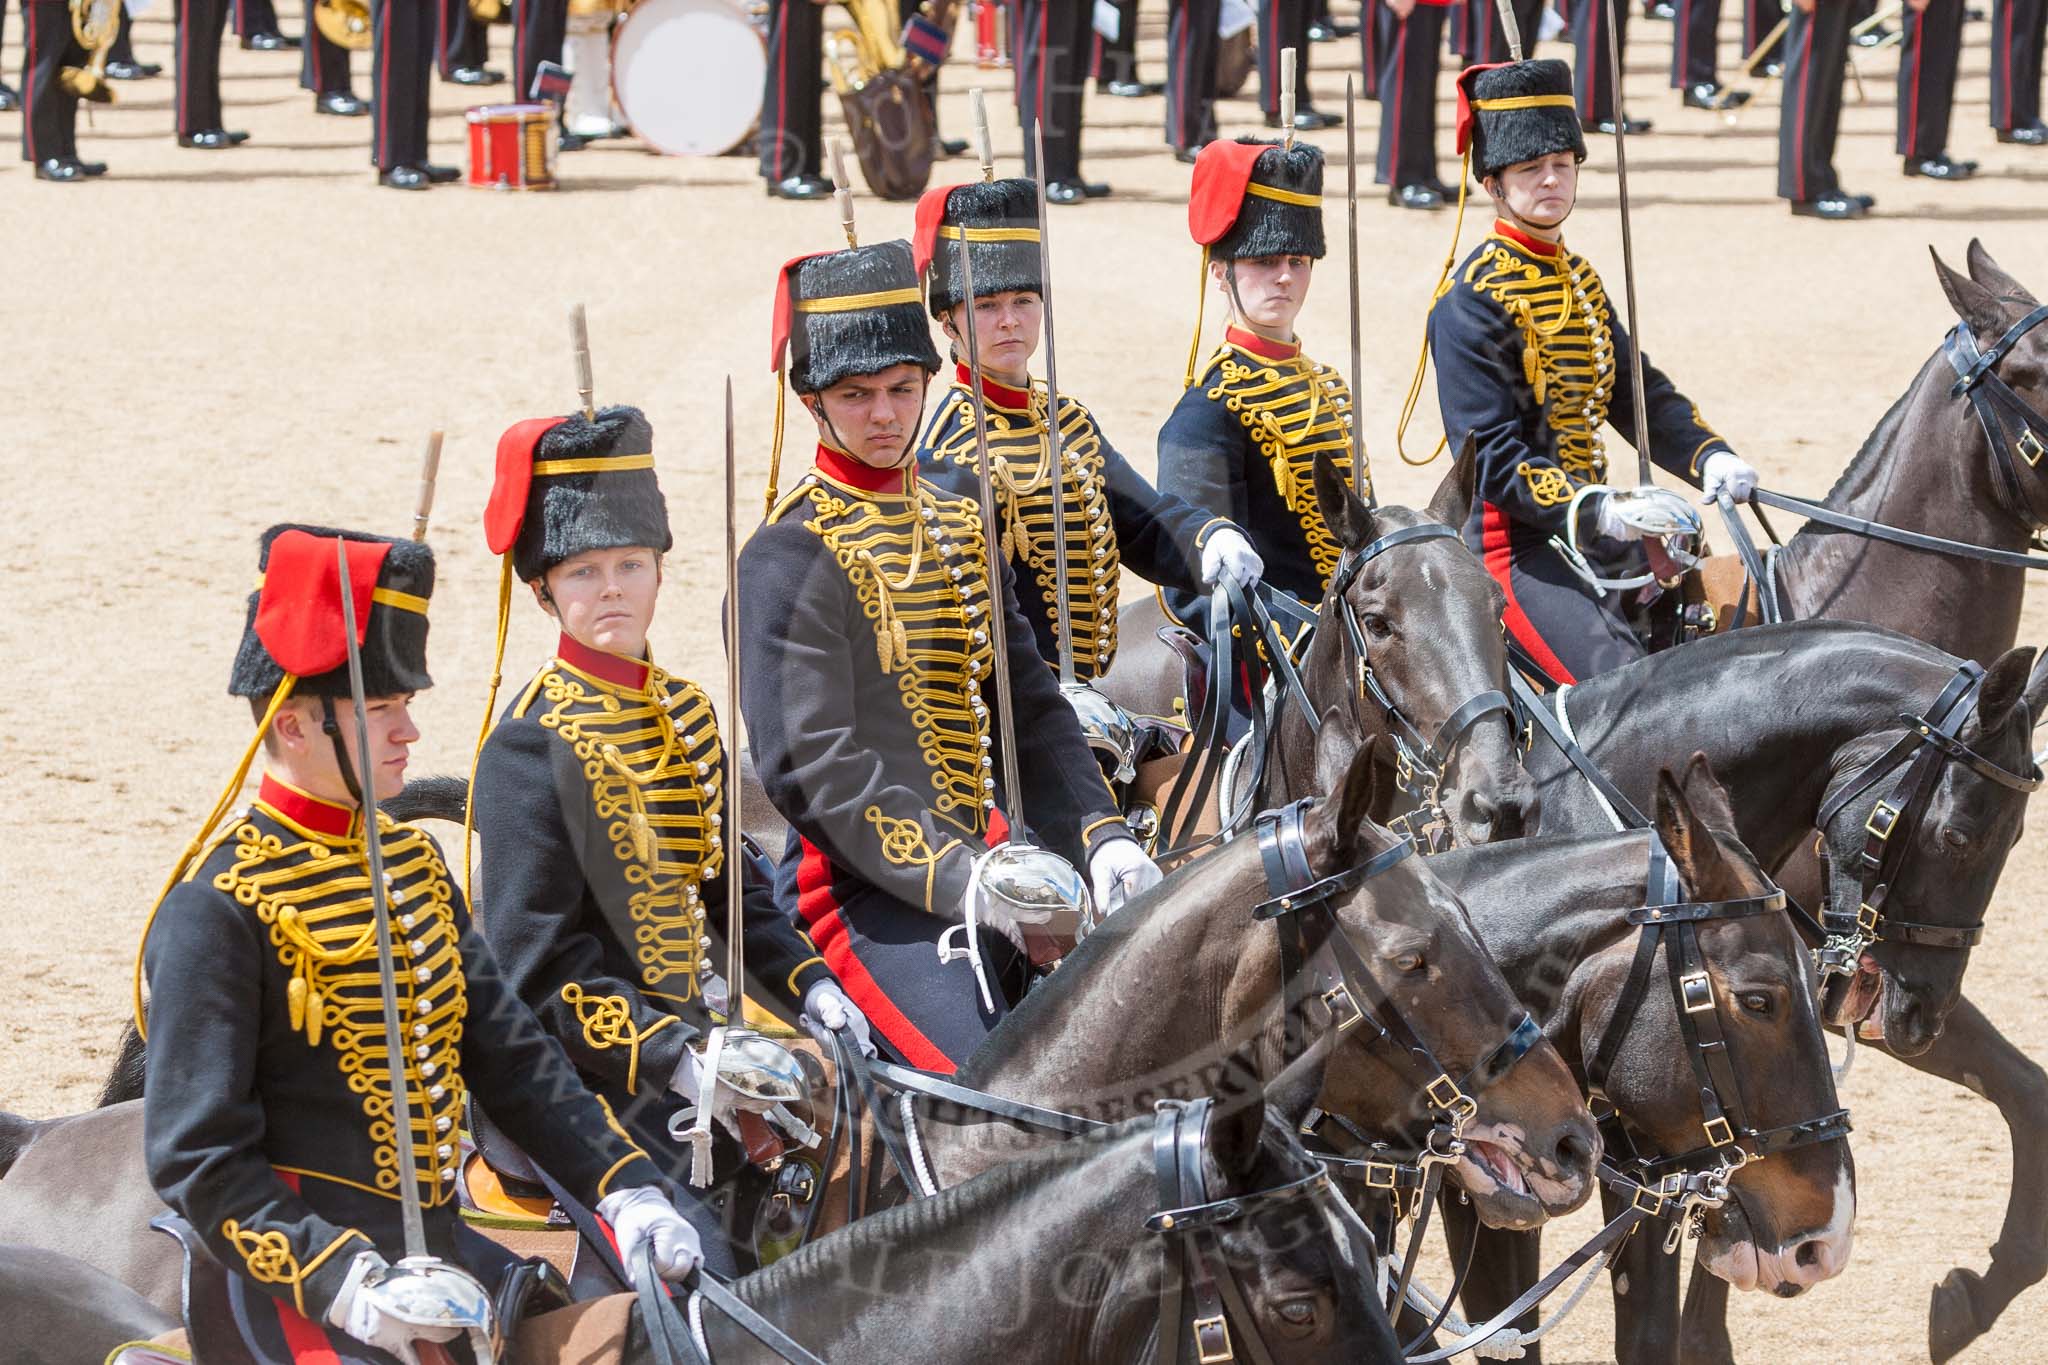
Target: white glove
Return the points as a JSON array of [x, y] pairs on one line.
[[827, 1010], [358, 1312], [1118, 870], [1227, 557], [642, 1216], [1727, 472], [1609, 522]]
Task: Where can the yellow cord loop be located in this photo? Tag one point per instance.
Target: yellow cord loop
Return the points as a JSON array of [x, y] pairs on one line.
[[1201, 302], [775, 450], [184, 866], [484, 731], [1443, 287]]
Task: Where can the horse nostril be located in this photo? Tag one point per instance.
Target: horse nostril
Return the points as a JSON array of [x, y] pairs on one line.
[[1575, 1152], [1808, 1255]]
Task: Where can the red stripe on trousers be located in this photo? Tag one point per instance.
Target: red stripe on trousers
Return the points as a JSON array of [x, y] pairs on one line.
[[1498, 555], [832, 935], [1799, 114], [2002, 118], [1919, 23], [1400, 82], [383, 36], [28, 86]]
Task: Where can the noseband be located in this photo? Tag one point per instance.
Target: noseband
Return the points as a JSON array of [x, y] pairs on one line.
[[1929, 745], [1195, 1266], [1999, 410]]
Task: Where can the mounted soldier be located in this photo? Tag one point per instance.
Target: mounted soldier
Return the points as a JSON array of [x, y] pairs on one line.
[[270, 1115], [1243, 440], [602, 797], [1531, 364], [870, 683]]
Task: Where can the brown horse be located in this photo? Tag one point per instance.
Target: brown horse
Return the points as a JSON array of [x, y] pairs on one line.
[[57, 1311]]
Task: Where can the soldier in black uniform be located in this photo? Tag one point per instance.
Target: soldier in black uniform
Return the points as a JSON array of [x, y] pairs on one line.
[[463, 46], [323, 69], [1284, 24], [201, 24], [268, 1113], [866, 680], [1114, 518], [601, 796], [1928, 59], [121, 62], [1695, 57], [1243, 439], [1532, 365], [256, 27], [791, 136], [10, 98], [2018, 30], [49, 116], [539, 28], [1049, 43], [1411, 32], [1595, 85], [401, 60], [1191, 44], [1816, 51]]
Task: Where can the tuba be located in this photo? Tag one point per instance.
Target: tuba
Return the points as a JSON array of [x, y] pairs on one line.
[[880, 84], [345, 23], [95, 24], [487, 11]]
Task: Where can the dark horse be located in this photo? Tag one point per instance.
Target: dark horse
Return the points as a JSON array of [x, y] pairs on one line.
[[1428, 616], [1553, 910]]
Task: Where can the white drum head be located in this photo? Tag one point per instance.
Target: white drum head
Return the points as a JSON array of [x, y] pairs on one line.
[[688, 75]]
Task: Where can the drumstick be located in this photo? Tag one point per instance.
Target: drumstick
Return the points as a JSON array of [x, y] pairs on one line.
[[1287, 93], [842, 191], [982, 143], [579, 342]]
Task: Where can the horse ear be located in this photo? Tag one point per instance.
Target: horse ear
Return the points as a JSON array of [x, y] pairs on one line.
[[1992, 276], [1350, 771], [1294, 1092], [1706, 796], [1974, 304], [2036, 695], [1235, 1131], [1341, 508], [1685, 835], [1452, 503], [2005, 684]]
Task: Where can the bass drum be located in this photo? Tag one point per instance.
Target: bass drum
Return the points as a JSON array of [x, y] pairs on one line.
[[688, 75]]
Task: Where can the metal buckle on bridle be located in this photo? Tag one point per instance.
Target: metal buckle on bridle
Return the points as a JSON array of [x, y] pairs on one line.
[[1725, 1137], [1884, 817], [1697, 989], [2030, 448], [1217, 1330], [1444, 1093]]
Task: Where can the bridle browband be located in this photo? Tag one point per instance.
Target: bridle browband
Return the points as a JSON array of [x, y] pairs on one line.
[[1929, 745]]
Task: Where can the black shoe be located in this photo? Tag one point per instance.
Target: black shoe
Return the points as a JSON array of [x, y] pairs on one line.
[[341, 104], [1415, 197], [1634, 127], [1449, 193], [1714, 96], [133, 71], [10, 99], [1130, 90], [573, 142], [1773, 68], [952, 146], [476, 75], [800, 187], [62, 169], [404, 178], [1066, 192], [212, 139], [438, 175], [1330, 30], [2033, 135], [1308, 120], [1095, 189], [1660, 9], [1834, 206], [94, 169], [1186, 155], [268, 42], [1940, 167], [1872, 37]]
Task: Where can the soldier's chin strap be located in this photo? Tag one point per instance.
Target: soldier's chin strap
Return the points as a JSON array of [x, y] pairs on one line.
[[331, 727]]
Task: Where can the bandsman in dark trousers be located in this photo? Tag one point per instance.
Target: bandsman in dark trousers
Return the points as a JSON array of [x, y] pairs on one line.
[[1411, 31], [1369, 49], [463, 46], [1049, 44], [201, 24], [1593, 78], [323, 69], [1114, 519], [1191, 44], [269, 1117], [1489, 40], [401, 59], [1116, 59], [1284, 24], [1759, 18], [121, 63], [539, 29], [256, 27], [866, 677], [1695, 57], [49, 116], [601, 798], [792, 132], [10, 98], [1927, 88], [2018, 30], [1810, 117], [1243, 439]]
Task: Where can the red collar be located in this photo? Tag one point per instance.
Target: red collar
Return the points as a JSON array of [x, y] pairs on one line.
[[997, 392], [1263, 347], [1535, 245], [307, 811], [843, 468], [604, 665]]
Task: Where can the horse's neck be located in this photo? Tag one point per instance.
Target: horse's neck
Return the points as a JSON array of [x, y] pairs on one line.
[[1925, 468]]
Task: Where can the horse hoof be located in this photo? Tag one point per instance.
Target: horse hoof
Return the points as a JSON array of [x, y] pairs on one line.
[[1952, 1315]]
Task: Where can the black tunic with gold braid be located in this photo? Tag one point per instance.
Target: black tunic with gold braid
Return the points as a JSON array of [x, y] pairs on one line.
[[600, 799], [268, 1120], [866, 682], [1114, 518], [1242, 443]]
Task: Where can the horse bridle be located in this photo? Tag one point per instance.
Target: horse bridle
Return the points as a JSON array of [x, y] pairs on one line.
[[1196, 1270], [1998, 407], [1929, 745]]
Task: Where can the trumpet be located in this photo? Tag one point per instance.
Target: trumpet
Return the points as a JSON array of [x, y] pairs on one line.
[[345, 23], [95, 24]]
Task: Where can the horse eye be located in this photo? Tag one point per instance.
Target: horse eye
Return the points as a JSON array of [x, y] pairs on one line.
[[1954, 839], [1298, 1312], [1378, 627], [1408, 962], [1756, 1002]]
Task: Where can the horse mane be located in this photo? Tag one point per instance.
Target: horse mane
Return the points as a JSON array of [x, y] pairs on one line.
[[124, 1077], [1876, 446]]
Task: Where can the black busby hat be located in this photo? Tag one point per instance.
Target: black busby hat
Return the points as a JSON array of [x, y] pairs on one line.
[[998, 222], [1511, 112], [568, 485], [295, 623], [1257, 198], [857, 311]]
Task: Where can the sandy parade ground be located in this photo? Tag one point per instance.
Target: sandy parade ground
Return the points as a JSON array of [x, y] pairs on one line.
[[205, 343]]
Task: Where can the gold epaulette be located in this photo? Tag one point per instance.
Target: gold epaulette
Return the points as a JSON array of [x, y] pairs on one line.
[[1559, 306], [1295, 409]]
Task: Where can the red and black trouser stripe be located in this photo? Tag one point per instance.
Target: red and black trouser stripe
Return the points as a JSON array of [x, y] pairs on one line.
[[1570, 631], [1407, 94], [400, 62], [1816, 49], [1282, 24], [791, 136], [2018, 30], [1927, 76], [1191, 44], [49, 117]]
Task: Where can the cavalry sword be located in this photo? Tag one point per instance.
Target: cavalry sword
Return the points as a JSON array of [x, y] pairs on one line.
[[1287, 95], [1063, 619], [1644, 476], [380, 906], [579, 341], [984, 147], [1360, 482], [735, 848], [1511, 26]]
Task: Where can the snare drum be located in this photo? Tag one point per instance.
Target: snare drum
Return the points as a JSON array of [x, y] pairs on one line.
[[688, 74], [512, 147]]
